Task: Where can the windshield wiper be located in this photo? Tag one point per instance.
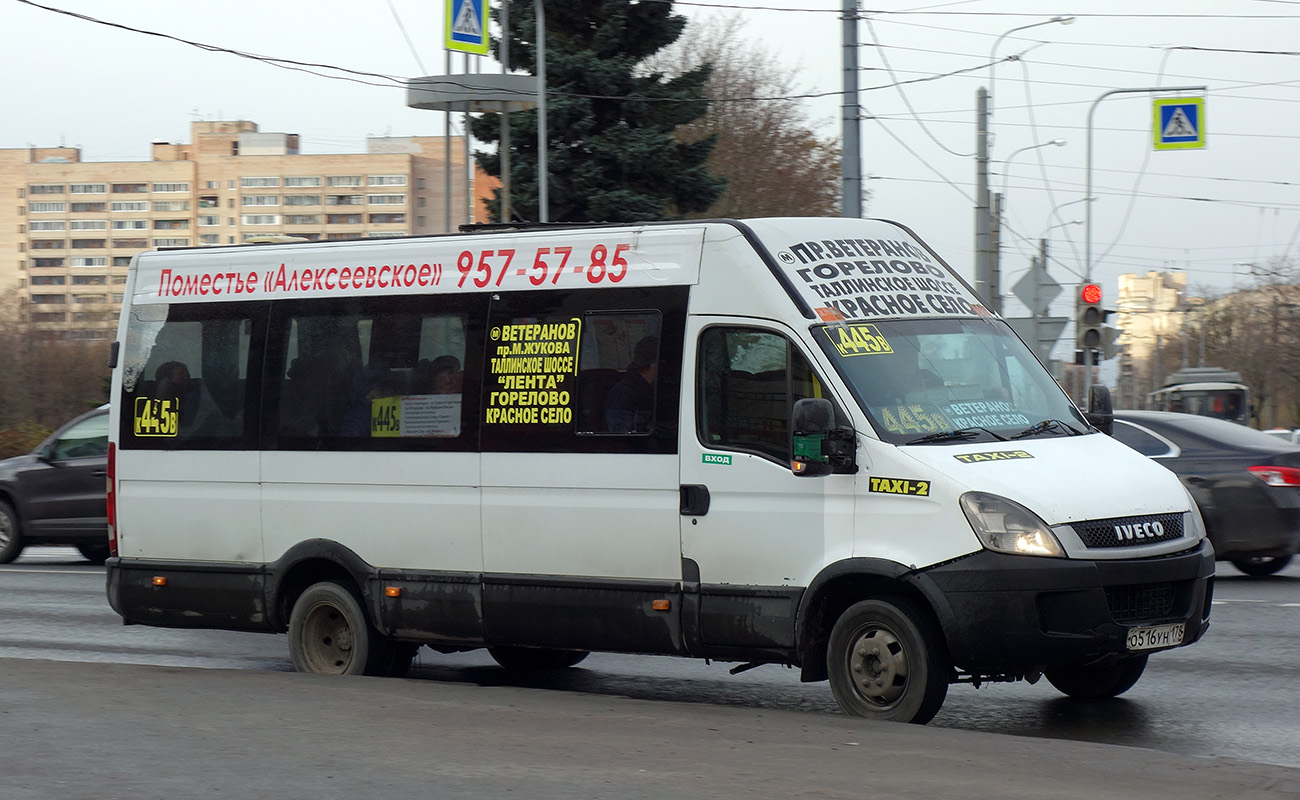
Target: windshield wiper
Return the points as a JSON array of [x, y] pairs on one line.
[[954, 435], [1045, 426]]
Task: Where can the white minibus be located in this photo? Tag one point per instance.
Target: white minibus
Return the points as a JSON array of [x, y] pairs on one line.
[[774, 441]]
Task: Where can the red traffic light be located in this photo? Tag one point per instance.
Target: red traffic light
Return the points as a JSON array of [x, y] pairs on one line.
[[1090, 293]]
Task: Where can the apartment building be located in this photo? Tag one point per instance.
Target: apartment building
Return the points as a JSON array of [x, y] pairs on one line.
[[70, 227], [1151, 311]]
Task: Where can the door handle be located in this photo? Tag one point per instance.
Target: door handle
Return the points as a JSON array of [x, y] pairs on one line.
[[695, 499]]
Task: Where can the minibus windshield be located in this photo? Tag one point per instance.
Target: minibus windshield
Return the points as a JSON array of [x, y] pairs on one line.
[[935, 381]]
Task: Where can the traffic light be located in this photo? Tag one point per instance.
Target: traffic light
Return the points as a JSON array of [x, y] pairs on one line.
[[1088, 317]]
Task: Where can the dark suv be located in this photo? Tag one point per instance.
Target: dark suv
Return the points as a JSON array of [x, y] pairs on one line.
[[55, 495]]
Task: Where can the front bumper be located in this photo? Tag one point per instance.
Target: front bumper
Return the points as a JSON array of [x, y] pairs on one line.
[[1016, 614]]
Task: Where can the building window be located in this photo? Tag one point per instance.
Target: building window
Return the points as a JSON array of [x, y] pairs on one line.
[[50, 225], [48, 316], [344, 180], [171, 187], [387, 219], [88, 244], [45, 188], [48, 244], [387, 199], [89, 280], [208, 220], [130, 224], [341, 200], [302, 199], [86, 299], [130, 188], [47, 208], [302, 181], [49, 299], [120, 261], [90, 261], [171, 224], [130, 205], [118, 297], [171, 242], [343, 219], [420, 201], [48, 280], [211, 184], [252, 183], [261, 219], [128, 244], [302, 219], [171, 205], [88, 225], [261, 200], [386, 180], [209, 238], [47, 262], [419, 222], [419, 183], [209, 201], [88, 188]]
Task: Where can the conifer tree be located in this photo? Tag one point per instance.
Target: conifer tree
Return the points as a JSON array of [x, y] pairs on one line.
[[612, 155]]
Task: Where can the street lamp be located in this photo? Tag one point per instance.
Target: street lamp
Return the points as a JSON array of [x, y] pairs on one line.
[[1006, 162], [984, 267], [993, 64]]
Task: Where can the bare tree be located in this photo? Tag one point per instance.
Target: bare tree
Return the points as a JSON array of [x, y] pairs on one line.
[[774, 163], [44, 383]]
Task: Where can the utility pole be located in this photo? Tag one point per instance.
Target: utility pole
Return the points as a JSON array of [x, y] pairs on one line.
[[851, 155], [983, 227]]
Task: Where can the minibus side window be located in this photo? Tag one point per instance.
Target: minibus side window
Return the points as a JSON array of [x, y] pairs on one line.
[[747, 382], [370, 374], [187, 375]]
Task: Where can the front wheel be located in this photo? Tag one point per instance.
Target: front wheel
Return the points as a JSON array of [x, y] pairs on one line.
[[1261, 566], [1097, 682], [11, 539], [529, 659], [887, 661], [330, 635]]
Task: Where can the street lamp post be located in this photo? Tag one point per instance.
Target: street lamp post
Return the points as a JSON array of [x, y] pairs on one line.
[[984, 266]]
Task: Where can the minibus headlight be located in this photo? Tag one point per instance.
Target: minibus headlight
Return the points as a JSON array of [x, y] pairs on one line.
[[1008, 527]]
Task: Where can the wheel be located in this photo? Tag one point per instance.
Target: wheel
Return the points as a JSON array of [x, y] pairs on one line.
[[887, 661], [330, 635], [535, 658], [1260, 566], [94, 553], [1097, 682], [11, 540], [401, 654]]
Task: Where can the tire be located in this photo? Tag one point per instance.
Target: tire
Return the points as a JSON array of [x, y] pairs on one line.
[[94, 553], [887, 661], [11, 537], [1260, 566], [329, 634], [1097, 683], [531, 659]]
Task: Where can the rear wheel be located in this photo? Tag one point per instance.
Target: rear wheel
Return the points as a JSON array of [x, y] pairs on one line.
[[887, 661], [1097, 682], [11, 540], [535, 658], [330, 635], [1260, 566], [94, 553]]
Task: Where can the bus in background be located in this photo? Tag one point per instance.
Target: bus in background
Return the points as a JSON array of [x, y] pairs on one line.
[[1204, 391]]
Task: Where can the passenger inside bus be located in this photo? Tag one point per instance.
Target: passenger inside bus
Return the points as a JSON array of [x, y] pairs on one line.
[[629, 406]]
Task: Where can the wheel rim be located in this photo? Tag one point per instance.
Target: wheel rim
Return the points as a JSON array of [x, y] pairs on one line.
[[328, 640], [878, 667], [6, 530]]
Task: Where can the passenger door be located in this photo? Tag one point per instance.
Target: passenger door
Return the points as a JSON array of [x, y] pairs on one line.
[[67, 493], [753, 534]]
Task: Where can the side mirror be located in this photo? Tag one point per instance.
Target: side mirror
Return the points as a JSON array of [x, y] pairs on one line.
[[1101, 413], [816, 445]]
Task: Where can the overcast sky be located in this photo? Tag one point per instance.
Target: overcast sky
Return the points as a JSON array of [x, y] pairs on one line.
[[1210, 212]]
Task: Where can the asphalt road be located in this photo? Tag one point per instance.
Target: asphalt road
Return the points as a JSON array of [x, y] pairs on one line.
[[1219, 705]]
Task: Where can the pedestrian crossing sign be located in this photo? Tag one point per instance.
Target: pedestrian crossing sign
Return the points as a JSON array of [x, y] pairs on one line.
[[467, 26], [1179, 123]]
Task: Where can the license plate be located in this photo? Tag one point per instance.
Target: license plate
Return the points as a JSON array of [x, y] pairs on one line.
[[1155, 637]]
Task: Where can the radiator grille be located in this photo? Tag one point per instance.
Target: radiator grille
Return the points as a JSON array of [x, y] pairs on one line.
[[1137, 603], [1130, 531]]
